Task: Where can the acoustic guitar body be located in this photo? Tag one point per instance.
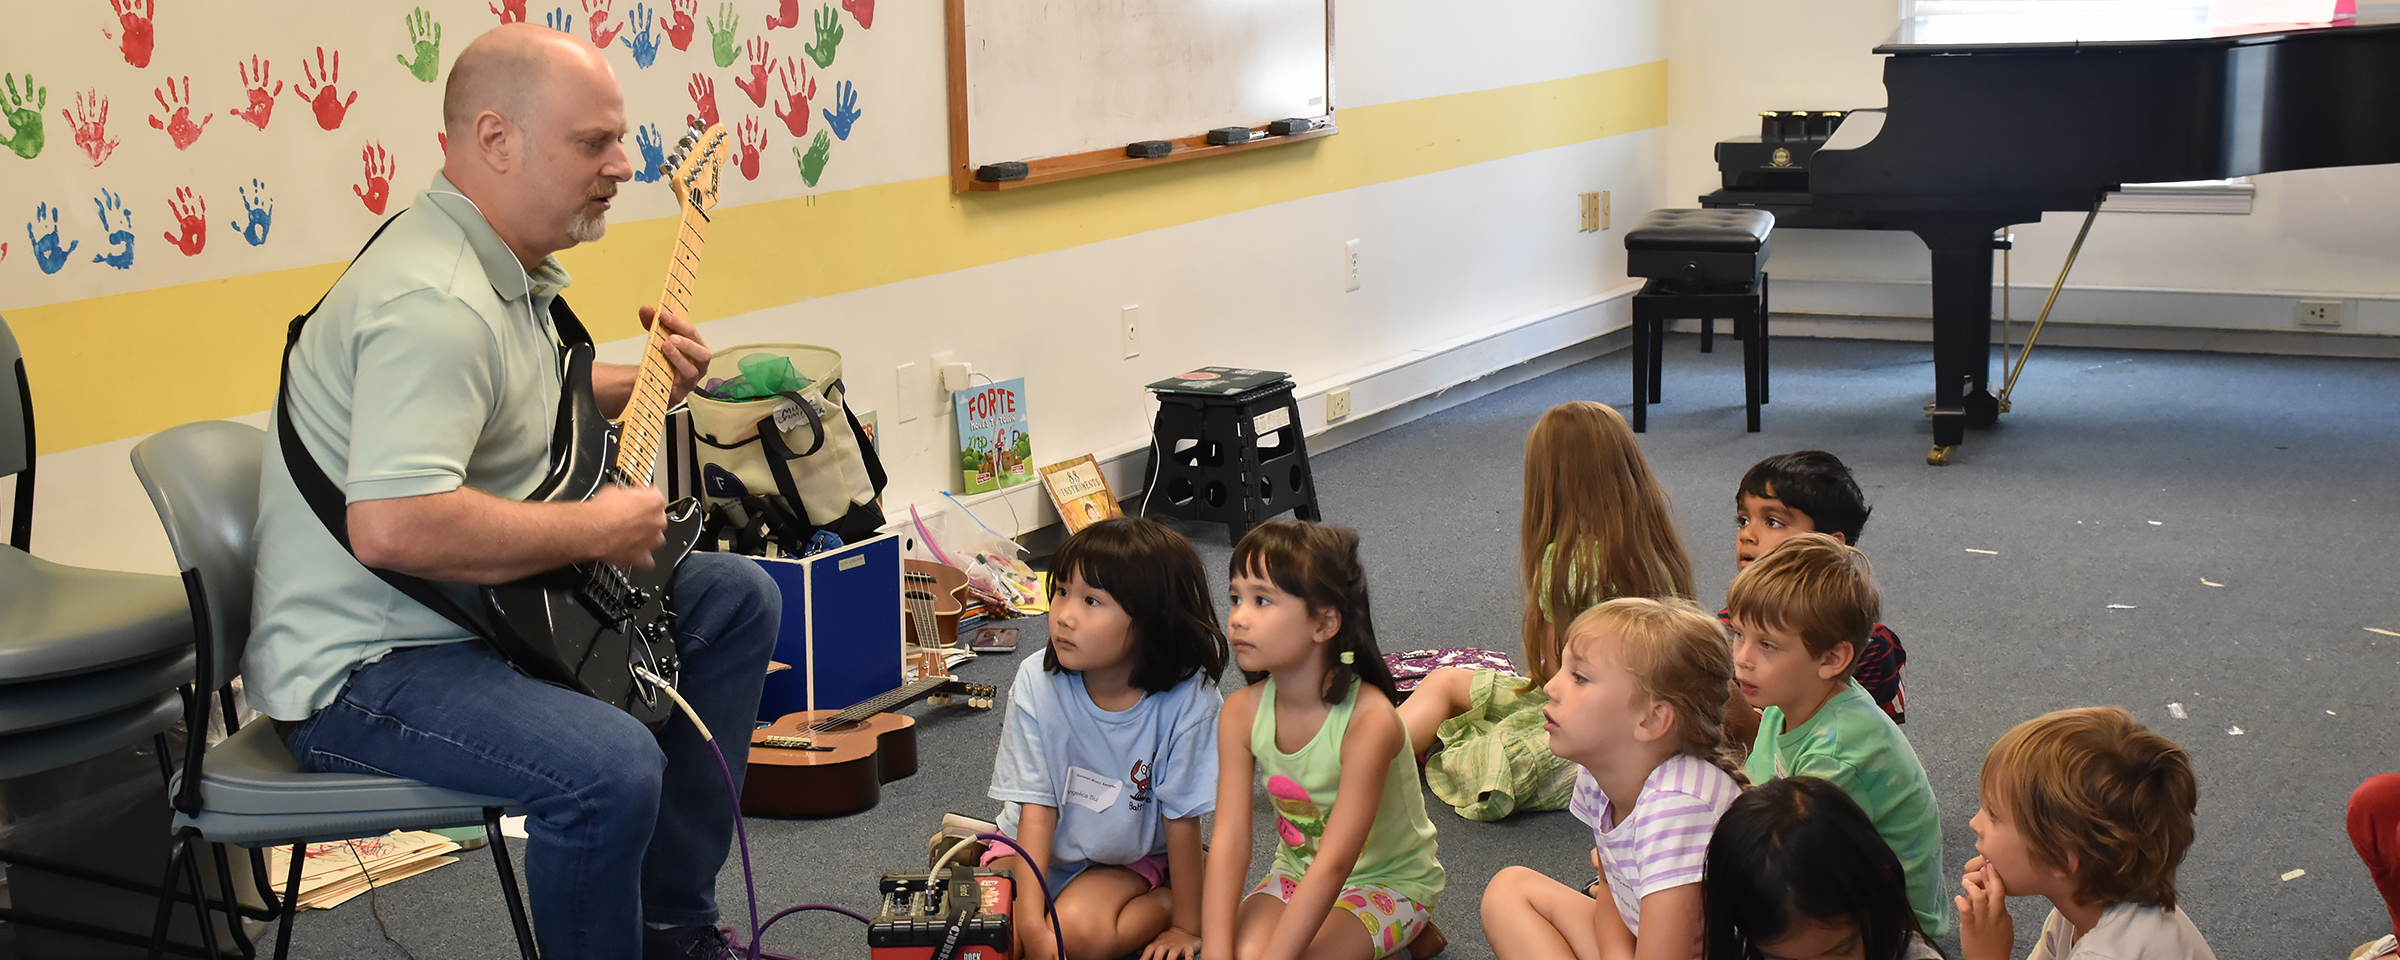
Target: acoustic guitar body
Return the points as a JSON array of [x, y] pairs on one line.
[[929, 588], [845, 774]]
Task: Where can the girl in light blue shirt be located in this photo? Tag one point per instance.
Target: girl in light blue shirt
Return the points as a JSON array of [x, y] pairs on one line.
[[1108, 752]]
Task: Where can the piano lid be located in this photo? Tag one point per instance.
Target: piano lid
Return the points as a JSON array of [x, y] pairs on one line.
[[1971, 26]]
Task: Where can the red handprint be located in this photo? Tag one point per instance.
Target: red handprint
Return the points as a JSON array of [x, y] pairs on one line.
[[135, 36], [596, 11], [321, 94], [262, 100], [177, 106], [378, 190], [753, 139], [863, 11], [798, 89], [679, 22], [704, 99], [442, 140], [785, 15], [90, 123], [509, 11], [756, 84], [191, 216]]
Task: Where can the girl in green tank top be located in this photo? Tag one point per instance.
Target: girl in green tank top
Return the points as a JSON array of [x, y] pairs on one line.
[[1354, 875]]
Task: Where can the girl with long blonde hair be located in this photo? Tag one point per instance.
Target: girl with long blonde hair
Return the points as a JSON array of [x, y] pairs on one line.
[[1596, 525]]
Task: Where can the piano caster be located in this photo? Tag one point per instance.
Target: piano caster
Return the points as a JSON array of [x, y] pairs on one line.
[[1982, 408], [1939, 456]]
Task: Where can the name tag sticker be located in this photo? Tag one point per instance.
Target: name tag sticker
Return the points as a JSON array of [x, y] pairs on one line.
[[788, 417], [1091, 790]]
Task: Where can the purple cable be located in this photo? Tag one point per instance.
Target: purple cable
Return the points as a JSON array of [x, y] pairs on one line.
[[1049, 903], [758, 932]]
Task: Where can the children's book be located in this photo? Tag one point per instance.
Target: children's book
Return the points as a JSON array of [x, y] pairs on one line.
[[1080, 493], [994, 448], [1219, 381]]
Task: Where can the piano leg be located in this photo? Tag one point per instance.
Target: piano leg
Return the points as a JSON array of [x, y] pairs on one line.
[[1962, 330]]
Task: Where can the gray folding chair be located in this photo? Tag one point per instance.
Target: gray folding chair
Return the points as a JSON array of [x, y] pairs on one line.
[[91, 661], [248, 790]]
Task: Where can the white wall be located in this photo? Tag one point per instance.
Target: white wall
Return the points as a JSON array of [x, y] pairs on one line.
[[1444, 256], [2311, 233]]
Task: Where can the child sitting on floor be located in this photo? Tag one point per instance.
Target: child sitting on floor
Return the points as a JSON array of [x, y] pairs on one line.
[[1800, 614], [2092, 811], [1595, 525], [1812, 492], [1795, 869], [1638, 705], [1108, 749]]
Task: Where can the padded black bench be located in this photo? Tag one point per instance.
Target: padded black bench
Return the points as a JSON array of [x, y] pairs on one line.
[[1701, 265]]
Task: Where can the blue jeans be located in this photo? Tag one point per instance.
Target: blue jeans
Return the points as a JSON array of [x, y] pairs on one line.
[[624, 826]]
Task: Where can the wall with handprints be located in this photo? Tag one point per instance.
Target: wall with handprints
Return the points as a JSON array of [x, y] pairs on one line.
[[159, 142], [1458, 167]]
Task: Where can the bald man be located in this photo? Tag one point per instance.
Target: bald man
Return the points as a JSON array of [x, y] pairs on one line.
[[427, 387]]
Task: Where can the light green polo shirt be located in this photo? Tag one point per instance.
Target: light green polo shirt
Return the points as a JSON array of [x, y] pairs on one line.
[[1853, 743], [431, 364]]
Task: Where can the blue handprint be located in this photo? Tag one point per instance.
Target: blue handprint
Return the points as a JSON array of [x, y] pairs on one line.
[[261, 210], [119, 227], [654, 153], [46, 252], [845, 100], [559, 20], [639, 38]]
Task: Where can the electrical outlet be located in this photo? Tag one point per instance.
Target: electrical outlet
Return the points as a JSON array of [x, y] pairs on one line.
[[1337, 404], [1131, 316], [1603, 209], [1350, 267], [2322, 313]]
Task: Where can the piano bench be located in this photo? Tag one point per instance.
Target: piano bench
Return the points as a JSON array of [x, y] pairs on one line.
[[1701, 265], [1692, 249]]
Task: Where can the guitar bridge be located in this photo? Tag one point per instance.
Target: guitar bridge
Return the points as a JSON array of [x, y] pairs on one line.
[[793, 743]]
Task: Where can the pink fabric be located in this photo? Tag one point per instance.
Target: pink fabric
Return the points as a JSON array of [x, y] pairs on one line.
[[1152, 868]]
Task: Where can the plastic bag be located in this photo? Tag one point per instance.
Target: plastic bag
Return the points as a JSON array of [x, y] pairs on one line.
[[993, 563]]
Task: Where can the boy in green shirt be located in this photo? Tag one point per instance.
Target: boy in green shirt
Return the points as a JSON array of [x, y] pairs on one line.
[[1800, 615]]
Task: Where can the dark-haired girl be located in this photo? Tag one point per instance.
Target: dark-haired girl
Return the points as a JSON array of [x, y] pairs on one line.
[[1355, 877], [1796, 871], [1108, 753]]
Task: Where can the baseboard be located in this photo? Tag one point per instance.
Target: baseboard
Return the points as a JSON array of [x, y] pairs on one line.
[[2237, 321], [1384, 395], [2105, 336]]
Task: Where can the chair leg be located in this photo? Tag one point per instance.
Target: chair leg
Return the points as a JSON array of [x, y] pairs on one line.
[[291, 902], [1753, 373], [1658, 355], [200, 912], [498, 845], [1763, 365], [1708, 334], [233, 903], [167, 886]]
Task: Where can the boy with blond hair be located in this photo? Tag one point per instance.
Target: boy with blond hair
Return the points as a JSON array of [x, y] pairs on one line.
[[1801, 614], [2092, 811]]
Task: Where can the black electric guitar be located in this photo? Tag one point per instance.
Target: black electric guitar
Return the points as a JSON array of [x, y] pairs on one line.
[[595, 627]]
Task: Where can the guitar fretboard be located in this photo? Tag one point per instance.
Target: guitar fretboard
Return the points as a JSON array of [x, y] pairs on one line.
[[644, 419], [916, 690]]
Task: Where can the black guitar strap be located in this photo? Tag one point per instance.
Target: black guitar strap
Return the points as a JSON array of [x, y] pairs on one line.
[[326, 500]]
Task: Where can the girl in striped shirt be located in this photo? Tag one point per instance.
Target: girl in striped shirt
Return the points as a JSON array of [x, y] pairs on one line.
[[1639, 704]]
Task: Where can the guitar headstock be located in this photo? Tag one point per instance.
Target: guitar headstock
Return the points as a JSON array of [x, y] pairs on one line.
[[697, 166]]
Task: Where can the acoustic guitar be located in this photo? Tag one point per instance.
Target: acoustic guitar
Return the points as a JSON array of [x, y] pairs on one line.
[[934, 596], [833, 763]]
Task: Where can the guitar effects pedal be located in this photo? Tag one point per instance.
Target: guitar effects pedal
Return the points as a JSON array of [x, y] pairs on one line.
[[963, 915]]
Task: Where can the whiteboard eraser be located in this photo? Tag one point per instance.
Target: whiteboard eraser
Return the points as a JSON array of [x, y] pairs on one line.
[[1149, 148], [997, 172], [1285, 128], [1224, 135]]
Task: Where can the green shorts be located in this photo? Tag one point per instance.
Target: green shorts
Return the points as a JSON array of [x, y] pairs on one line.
[[1494, 759]]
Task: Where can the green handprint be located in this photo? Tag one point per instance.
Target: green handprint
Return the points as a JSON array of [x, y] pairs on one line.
[[829, 35], [721, 39], [812, 163], [427, 35], [25, 123]]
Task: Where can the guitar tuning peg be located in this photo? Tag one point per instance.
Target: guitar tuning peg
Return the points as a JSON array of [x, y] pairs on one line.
[[665, 169], [687, 141]]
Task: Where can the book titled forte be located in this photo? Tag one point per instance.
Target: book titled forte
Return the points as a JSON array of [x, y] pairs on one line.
[[994, 448], [1080, 493]]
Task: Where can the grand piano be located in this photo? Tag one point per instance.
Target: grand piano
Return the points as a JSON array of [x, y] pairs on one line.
[[1993, 119]]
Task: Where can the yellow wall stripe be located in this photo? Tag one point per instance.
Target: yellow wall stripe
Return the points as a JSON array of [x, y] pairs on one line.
[[119, 366]]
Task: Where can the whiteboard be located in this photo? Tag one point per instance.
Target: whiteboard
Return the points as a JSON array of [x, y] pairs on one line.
[[1051, 78]]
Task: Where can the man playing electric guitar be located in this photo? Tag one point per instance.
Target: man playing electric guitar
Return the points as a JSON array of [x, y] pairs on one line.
[[427, 386]]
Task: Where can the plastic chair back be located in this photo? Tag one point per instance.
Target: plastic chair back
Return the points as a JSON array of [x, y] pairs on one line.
[[203, 478]]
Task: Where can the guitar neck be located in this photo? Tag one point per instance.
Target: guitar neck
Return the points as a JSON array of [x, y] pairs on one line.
[[644, 419], [916, 690]]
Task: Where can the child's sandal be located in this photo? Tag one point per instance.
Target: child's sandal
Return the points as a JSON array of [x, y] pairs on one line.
[[1427, 943]]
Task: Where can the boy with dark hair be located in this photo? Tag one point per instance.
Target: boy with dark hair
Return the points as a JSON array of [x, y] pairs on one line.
[[1811, 492], [1799, 614]]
